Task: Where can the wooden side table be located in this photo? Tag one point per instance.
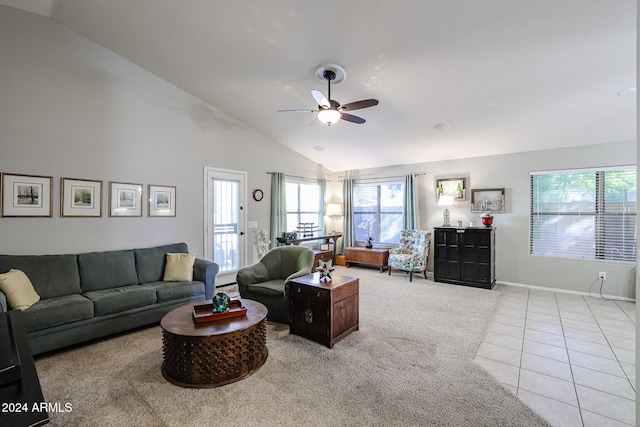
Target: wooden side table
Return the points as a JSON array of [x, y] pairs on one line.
[[360, 255], [321, 256], [324, 312]]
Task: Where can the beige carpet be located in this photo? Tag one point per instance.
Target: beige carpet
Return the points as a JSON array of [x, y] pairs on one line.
[[411, 363]]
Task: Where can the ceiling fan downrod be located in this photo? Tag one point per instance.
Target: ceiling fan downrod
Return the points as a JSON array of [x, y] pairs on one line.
[[329, 75]]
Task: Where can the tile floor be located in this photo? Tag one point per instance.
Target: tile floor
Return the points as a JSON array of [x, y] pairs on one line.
[[571, 358]]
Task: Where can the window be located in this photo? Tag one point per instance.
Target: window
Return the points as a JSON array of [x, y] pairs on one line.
[[303, 204], [584, 214], [377, 212]]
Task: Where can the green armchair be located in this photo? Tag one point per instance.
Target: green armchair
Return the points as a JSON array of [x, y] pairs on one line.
[[268, 280]]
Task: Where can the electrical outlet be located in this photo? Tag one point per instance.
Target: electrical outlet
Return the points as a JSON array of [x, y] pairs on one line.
[[602, 275]]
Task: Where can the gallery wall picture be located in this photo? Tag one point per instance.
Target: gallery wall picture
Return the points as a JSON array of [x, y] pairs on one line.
[[80, 198], [26, 195], [162, 200], [125, 199], [456, 187], [487, 200]]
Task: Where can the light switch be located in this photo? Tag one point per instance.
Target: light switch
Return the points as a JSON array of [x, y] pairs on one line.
[[252, 224]]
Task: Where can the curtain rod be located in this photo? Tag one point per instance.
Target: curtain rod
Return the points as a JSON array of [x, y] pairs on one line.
[[382, 177], [300, 177]]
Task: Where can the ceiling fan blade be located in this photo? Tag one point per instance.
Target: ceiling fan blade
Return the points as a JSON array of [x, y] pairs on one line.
[[320, 98], [297, 111], [351, 118], [360, 104]]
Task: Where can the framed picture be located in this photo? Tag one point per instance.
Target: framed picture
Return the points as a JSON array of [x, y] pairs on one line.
[[80, 197], [487, 200], [162, 200], [26, 195], [456, 187], [125, 199]]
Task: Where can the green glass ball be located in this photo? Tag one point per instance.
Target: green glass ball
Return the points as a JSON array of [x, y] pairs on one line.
[[220, 302]]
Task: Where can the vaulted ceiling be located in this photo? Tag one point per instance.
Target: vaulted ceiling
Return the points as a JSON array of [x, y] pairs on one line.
[[504, 76]]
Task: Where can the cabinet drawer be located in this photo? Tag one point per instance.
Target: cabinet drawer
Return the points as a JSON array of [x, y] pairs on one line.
[[307, 292]]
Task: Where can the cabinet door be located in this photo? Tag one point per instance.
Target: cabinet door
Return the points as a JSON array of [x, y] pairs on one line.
[[309, 313], [447, 254], [476, 257]]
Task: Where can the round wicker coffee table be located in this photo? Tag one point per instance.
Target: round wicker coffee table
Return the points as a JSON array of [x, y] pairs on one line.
[[215, 353]]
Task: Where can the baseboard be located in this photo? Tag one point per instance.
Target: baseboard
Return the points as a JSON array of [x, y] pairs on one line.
[[567, 291]]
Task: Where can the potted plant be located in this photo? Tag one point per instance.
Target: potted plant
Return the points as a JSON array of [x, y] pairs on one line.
[[487, 219], [366, 225]]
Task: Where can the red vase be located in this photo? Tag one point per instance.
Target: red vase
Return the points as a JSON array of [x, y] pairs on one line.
[[487, 221]]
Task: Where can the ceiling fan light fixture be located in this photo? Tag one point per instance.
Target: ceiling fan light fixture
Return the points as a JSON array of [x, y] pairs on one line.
[[329, 116]]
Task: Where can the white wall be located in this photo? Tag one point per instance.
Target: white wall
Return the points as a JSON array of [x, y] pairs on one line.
[[71, 108], [511, 171]]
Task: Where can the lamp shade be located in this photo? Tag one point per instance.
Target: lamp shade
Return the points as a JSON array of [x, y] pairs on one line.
[[334, 209], [445, 200]]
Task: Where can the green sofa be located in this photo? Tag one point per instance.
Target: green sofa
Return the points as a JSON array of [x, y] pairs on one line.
[[93, 295], [267, 281]]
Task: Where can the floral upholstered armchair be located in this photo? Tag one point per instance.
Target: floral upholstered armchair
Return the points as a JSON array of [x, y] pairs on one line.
[[412, 254]]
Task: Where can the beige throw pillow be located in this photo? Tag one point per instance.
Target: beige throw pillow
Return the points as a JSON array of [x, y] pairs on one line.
[[18, 289], [179, 267]]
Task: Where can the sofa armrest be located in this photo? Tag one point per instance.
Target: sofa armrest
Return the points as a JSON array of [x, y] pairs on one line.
[[205, 271], [3, 303], [251, 274]]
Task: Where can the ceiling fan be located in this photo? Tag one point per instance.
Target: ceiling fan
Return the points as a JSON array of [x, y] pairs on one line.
[[330, 111]]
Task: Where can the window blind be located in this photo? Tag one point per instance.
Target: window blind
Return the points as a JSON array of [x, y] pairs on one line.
[[377, 211], [584, 214]]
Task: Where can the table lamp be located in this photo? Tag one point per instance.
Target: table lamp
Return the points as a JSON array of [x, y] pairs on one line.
[[445, 201], [334, 210]]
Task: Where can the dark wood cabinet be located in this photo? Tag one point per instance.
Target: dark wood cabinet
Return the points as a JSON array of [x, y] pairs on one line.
[[324, 312], [465, 256]]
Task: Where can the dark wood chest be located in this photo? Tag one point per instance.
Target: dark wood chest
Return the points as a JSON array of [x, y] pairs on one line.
[[324, 312], [465, 256]]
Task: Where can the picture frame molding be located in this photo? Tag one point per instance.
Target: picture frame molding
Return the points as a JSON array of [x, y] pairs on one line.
[[120, 195], [450, 186], [492, 194], [67, 208], [11, 207], [154, 209]]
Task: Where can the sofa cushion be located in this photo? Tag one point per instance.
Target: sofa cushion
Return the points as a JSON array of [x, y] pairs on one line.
[[51, 275], [51, 312], [115, 300], [150, 261], [271, 288], [179, 268], [171, 291], [18, 290], [106, 270]]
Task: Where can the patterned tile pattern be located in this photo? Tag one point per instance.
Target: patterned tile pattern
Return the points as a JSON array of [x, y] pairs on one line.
[[569, 357]]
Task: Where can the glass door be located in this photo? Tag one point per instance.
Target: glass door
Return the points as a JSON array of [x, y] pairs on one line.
[[224, 231]]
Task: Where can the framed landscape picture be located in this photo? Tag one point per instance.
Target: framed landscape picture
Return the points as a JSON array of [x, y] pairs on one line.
[[26, 195], [80, 197], [125, 199], [162, 200]]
